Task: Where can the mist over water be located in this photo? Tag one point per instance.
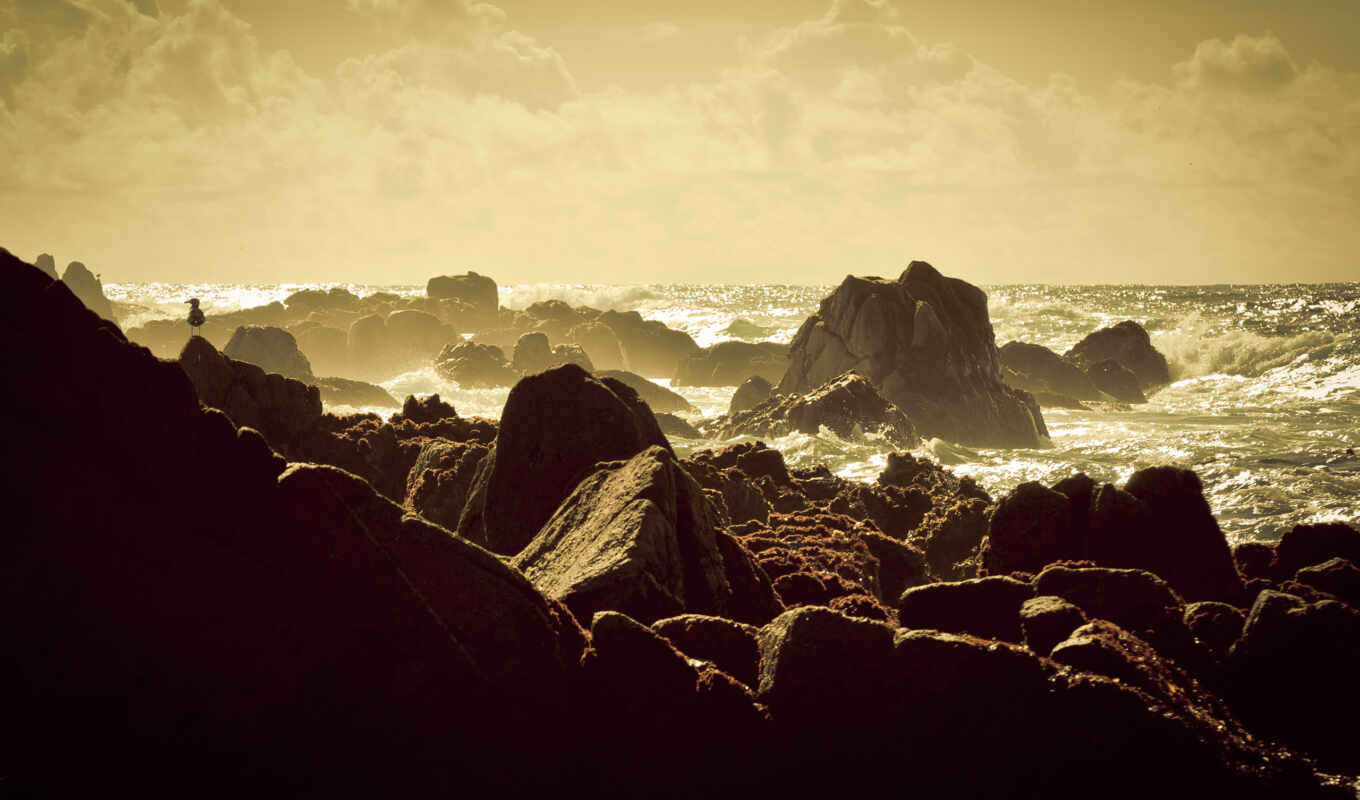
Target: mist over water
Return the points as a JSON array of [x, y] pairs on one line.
[[1263, 404]]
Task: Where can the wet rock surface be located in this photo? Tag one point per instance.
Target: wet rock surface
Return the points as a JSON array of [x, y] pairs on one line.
[[849, 406], [1128, 345], [926, 342]]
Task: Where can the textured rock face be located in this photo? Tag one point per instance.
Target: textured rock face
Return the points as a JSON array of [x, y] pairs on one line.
[[1116, 380], [926, 342], [1128, 344], [635, 537], [88, 289], [649, 347], [280, 408], [1039, 369], [472, 364], [751, 393], [555, 426], [271, 349], [848, 405], [730, 363], [477, 292]]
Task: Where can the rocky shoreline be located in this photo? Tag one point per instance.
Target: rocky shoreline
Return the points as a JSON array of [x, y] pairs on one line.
[[212, 586]]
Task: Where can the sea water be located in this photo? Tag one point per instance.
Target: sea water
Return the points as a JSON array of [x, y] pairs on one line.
[[1264, 403]]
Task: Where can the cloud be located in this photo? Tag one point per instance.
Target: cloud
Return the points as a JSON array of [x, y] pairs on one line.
[[841, 143], [658, 31]]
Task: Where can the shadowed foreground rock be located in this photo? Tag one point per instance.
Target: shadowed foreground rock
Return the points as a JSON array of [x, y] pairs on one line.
[[926, 342]]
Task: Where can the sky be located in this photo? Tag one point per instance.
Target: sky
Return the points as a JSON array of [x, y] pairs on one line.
[[638, 141]]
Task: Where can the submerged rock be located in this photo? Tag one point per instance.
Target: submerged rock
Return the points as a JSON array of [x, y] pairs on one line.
[[926, 342]]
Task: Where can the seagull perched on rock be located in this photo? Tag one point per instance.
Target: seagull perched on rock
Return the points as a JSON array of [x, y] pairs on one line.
[[196, 317]]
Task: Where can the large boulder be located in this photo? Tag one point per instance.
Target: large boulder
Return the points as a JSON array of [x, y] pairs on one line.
[[600, 343], [1128, 344], [635, 537], [1037, 369], [280, 408], [88, 289], [649, 347], [1116, 380], [658, 397], [272, 349], [732, 362], [1313, 543], [532, 354], [1028, 529], [325, 347], [751, 393], [555, 427], [470, 364], [848, 405], [477, 292], [988, 608], [926, 342]]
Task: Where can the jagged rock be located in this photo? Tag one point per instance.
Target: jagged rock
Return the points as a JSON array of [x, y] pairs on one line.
[[672, 425], [88, 289], [477, 292], [1294, 674], [1047, 620], [1116, 380], [272, 349], [471, 364], [731, 363], [438, 484], [555, 427], [1215, 624], [848, 405], [732, 646], [988, 608], [47, 264], [425, 409], [751, 393], [280, 408], [635, 537], [900, 565], [1309, 544], [600, 343], [1128, 344], [1040, 370], [649, 347], [1337, 577], [926, 342], [658, 397], [357, 394]]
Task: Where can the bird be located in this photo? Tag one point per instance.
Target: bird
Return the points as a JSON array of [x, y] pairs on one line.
[[196, 317]]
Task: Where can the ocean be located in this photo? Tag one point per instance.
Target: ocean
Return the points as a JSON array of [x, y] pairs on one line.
[[1264, 402]]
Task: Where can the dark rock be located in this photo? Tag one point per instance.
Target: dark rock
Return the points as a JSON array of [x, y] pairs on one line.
[[1116, 380], [848, 405], [731, 363], [672, 425], [900, 565], [47, 264], [813, 659], [926, 342], [471, 364], [649, 347], [600, 343], [732, 646], [1128, 344], [658, 397], [751, 393], [1029, 529], [477, 292], [1306, 545], [532, 354], [1047, 620], [438, 484], [1295, 668], [988, 608], [88, 289], [1183, 543], [753, 598], [635, 537], [801, 589], [1133, 599], [1215, 624], [358, 394], [272, 349], [1040, 370], [280, 408], [425, 409], [1256, 560], [555, 427], [1337, 577]]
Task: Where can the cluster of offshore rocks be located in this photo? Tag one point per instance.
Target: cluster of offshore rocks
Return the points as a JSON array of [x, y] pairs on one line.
[[556, 602]]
